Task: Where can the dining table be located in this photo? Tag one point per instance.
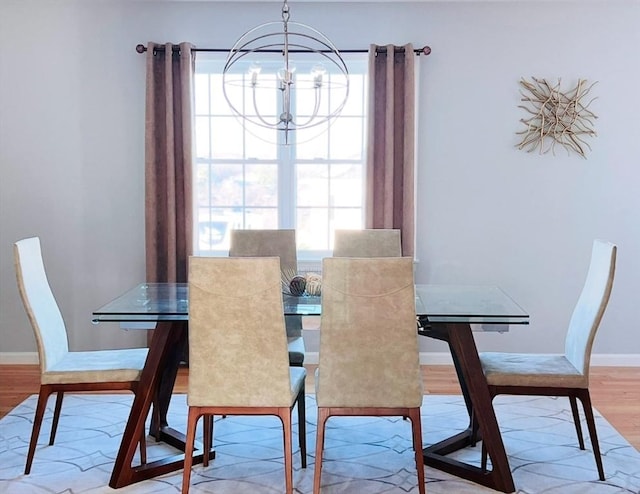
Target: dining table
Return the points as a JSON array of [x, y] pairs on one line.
[[449, 313]]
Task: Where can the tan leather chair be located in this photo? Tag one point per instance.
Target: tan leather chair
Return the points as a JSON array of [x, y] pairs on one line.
[[568, 374], [61, 370], [367, 243], [369, 361], [282, 244], [234, 367]]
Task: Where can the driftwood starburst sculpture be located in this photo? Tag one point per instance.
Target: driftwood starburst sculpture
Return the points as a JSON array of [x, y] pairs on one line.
[[556, 117]]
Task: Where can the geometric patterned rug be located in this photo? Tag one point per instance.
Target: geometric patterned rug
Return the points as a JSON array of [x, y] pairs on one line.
[[363, 455]]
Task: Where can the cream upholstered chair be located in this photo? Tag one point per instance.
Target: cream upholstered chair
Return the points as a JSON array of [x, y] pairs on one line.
[[568, 374], [367, 243], [282, 244], [61, 370], [238, 367], [368, 362]]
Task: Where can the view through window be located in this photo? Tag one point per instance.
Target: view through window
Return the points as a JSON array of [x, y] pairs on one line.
[[246, 179]]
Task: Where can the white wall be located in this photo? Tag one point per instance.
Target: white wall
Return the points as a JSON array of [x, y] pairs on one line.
[[71, 149]]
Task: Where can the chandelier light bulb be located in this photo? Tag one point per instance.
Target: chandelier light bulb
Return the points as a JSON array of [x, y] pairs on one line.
[[317, 73], [254, 72]]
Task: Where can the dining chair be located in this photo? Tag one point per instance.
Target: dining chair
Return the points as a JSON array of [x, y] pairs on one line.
[[568, 374], [370, 243], [367, 243], [234, 368], [368, 361], [62, 370], [282, 244]]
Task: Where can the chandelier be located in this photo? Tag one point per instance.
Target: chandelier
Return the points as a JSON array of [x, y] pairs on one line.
[[285, 76]]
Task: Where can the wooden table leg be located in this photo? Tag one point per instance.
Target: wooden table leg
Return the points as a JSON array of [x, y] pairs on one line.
[[481, 413], [168, 336]]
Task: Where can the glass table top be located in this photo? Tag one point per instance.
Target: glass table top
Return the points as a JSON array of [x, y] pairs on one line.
[[438, 303], [478, 304]]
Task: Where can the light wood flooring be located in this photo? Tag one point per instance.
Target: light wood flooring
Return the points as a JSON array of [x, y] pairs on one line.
[[615, 391]]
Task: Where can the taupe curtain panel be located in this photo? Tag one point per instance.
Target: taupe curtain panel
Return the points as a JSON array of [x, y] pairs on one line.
[[168, 161], [391, 140]]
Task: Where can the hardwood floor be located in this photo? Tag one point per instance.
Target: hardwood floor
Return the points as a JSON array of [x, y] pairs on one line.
[[615, 391]]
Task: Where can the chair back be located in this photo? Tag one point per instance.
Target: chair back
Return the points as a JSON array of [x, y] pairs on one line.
[[237, 344], [368, 343], [39, 302], [270, 243], [367, 243], [591, 305], [266, 243]]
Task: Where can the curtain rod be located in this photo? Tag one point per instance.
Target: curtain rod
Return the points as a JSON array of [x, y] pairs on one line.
[[425, 50]]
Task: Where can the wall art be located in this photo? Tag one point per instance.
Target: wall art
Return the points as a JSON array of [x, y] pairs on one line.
[[556, 116]]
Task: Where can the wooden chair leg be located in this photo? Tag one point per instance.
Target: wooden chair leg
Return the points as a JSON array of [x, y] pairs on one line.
[[416, 427], [155, 417], [56, 417], [43, 396], [576, 420], [302, 428], [483, 458], [192, 422], [591, 425], [207, 438], [143, 447], [285, 416], [323, 415]]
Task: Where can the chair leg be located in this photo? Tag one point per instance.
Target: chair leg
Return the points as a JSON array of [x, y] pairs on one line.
[[483, 458], [285, 417], [323, 415], [302, 428], [143, 447], [56, 417], [585, 398], [473, 438], [43, 396], [155, 417], [416, 427], [576, 420], [192, 422], [207, 438]]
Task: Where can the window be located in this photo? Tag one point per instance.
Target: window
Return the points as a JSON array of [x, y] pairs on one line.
[[245, 180]]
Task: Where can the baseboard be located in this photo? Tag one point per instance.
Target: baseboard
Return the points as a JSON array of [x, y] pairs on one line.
[[444, 358], [426, 358], [615, 360], [18, 358]]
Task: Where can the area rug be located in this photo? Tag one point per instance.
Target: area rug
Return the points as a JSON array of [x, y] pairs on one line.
[[362, 455]]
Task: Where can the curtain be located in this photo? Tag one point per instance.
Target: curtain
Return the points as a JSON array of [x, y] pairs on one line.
[[391, 140], [168, 161]]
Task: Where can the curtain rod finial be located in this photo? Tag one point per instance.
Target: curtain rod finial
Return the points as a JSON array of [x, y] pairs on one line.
[[141, 48], [426, 50]]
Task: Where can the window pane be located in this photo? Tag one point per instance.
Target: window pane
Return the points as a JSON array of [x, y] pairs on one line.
[[202, 134], [313, 185], [226, 185], [314, 143], [261, 143], [346, 218], [346, 138], [346, 185], [261, 183], [201, 89], [226, 137], [356, 101], [219, 105], [312, 229], [261, 219]]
